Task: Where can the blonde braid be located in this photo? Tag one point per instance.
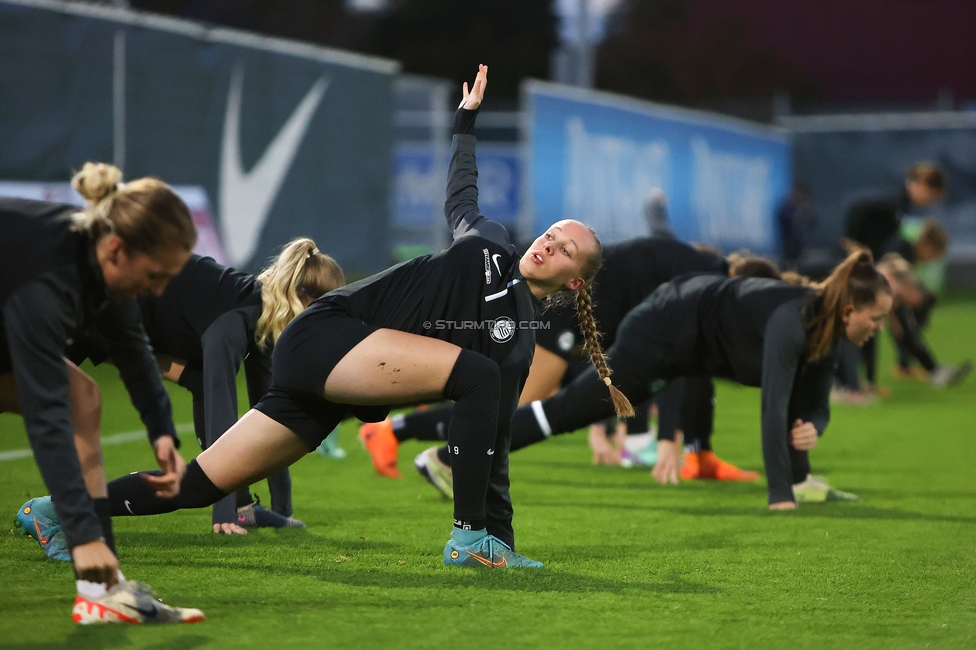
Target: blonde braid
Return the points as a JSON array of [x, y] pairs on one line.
[[584, 311]]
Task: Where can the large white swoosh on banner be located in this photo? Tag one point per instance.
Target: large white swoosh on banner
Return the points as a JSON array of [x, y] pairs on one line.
[[246, 197]]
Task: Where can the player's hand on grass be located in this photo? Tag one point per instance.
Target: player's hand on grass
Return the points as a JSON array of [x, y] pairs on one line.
[[229, 529], [782, 505], [95, 562], [472, 100], [804, 435], [603, 451], [168, 484], [668, 462]]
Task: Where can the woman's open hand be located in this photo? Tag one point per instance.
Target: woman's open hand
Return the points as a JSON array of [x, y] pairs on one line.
[[472, 100]]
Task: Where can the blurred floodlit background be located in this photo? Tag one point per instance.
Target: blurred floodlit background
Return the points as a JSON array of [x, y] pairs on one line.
[[333, 118]]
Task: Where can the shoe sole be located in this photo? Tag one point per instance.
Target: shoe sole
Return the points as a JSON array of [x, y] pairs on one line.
[[431, 478]]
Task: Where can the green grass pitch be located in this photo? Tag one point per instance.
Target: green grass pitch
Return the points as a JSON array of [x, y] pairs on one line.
[[629, 564]]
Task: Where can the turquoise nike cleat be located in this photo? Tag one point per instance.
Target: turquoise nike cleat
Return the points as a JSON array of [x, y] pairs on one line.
[[489, 551], [38, 519]]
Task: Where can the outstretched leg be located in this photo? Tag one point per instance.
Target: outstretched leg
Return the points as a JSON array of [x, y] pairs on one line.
[[249, 451], [387, 367], [584, 401]]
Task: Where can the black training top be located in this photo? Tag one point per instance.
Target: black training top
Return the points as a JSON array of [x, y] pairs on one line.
[[200, 294], [875, 221], [207, 317], [51, 289], [470, 294], [753, 331], [631, 271]]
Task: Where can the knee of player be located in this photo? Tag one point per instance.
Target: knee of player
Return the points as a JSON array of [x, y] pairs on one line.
[[473, 373], [87, 397]]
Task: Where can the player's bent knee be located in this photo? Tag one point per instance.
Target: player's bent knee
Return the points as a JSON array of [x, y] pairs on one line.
[[473, 374]]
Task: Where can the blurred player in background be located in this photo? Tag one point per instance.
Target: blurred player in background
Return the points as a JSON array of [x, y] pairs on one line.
[[796, 217], [912, 305]]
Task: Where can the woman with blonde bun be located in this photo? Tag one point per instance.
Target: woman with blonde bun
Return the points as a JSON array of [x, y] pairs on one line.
[[64, 272]]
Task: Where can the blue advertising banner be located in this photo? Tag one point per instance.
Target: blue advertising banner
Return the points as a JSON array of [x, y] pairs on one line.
[[287, 139], [597, 157], [420, 181]]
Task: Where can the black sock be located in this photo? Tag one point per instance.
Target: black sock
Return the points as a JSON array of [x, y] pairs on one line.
[[475, 386], [799, 464], [103, 509], [586, 399], [444, 455], [698, 412], [429, 424], [471, 524], [640, 423], [131, 495]]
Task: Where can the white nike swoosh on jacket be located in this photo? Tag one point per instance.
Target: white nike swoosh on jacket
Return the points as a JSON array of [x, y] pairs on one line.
[[246, 197]]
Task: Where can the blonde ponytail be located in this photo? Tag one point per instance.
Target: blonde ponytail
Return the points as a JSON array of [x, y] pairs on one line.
[[145, 213], [299, 270]]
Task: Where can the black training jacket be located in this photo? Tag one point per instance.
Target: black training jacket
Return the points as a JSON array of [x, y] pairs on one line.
[[875, 221], [207, 317], [753, 331], [51, 290]]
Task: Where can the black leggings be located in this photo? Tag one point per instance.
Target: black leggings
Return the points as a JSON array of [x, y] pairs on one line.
[[697, 412], [911, 343]]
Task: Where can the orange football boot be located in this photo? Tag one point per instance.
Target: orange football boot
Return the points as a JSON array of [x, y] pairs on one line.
[[711, 466], [690, 469], [382, 445]]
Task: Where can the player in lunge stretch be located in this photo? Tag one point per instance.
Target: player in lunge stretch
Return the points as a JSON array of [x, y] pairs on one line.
[[759, 332], [408, 335], [209, 322], [62, 273], [632, 270]]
